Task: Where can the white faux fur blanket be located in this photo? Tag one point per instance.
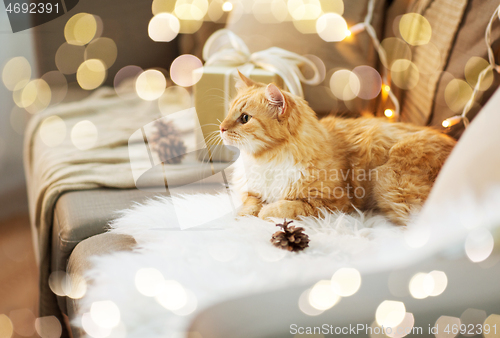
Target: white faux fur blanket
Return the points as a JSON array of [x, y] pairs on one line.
[[225, 258]]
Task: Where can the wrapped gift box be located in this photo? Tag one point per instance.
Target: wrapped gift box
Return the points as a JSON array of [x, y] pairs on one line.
[[212, 98]]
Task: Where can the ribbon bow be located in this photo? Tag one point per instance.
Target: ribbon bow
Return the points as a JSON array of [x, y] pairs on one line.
[[226, 48]]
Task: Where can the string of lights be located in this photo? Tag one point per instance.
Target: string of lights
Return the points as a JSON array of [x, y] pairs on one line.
[[492, 66], [386, 83]]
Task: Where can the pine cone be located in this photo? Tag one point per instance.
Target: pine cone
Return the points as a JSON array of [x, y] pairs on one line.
[[163, 128], [167, 143], [171, 149], [291, 238]]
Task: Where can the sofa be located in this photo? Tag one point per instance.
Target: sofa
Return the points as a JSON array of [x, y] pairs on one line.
[[70, 217]]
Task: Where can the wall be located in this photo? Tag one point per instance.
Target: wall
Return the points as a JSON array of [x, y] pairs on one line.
[[12, 182]]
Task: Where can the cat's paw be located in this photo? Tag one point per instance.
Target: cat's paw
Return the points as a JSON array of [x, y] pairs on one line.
[[249, 210], [284, 209]]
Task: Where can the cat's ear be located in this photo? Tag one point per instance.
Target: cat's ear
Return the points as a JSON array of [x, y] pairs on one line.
[[243, 82], [276, 98]]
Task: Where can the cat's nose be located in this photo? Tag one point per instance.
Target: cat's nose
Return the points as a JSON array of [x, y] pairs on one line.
[[222, 129]]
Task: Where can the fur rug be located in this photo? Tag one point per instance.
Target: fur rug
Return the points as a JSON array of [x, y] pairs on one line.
[[226, 258]]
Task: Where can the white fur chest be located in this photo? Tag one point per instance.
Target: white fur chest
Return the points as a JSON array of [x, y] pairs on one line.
[[271, 180]]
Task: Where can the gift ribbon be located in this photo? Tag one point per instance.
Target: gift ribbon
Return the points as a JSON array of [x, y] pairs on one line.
[[226, 48]]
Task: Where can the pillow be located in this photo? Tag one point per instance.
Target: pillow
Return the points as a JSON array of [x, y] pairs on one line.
[[464, 200], [449, 64], [354, 51]]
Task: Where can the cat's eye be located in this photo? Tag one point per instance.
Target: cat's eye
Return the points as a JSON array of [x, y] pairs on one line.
[[244, 118]]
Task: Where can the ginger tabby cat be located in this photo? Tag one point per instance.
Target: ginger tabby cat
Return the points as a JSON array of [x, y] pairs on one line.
[[291, 164]]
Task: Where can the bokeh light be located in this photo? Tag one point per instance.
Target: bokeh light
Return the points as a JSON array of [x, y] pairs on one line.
[[189, 26], [331, 27], [175, 99], [479, 245], [473, 68], [308, 73], [456, 94], [16, 73], [162, 6], [489, 325], [390, 313], [148, 281], [389, 113], [59, 283], [172, 295], [444, 322], [124, 81], [473, 319], [304, 9], [370, 82], [215, 10], [305, 306], [77, 287], [58, 86], [345, 85], [36, 96], [227, 6], [186, 71], [322, 297], [279, 10], [346, 282], [395, 49], [332, 6], [69, 58], [91, 74], [416, 237], [80, 29], [84, 135], [404, 74], [415, 29], [189, 307], [163, 27], [6, 327], [439, 283], [376, 331], [261, 11], [105, 313], [23, 321], [62, 284], [191, 9], [306, 26], [48, 327], [103, 49], [150, 85], [92, 329], [417, 288], [53, 131], [404, 328]]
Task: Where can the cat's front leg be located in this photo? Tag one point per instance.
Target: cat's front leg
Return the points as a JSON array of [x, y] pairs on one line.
[[287, 209], [251, 205]]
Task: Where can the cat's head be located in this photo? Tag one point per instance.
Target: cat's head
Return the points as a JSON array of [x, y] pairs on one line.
[[261, 117]]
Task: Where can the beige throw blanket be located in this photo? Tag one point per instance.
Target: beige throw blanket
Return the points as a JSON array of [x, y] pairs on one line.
[[51, 171]]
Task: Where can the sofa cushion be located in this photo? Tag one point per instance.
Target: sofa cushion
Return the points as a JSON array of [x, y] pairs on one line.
[[458, 29], [82, 214], [468, 47], [79, 262]]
